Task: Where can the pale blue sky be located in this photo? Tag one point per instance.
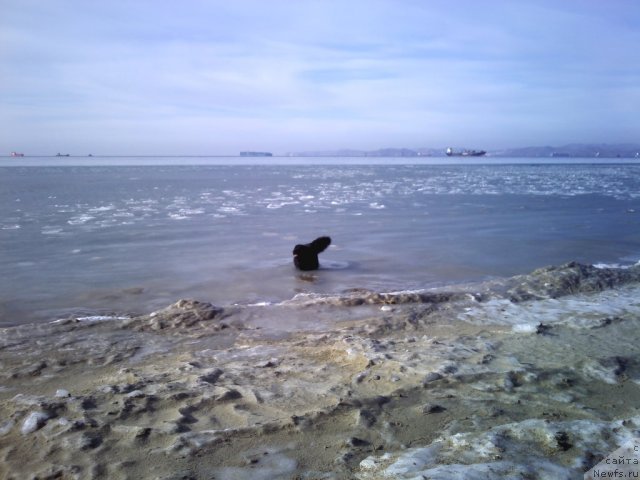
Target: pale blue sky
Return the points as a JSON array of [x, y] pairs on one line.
[[217, 77]]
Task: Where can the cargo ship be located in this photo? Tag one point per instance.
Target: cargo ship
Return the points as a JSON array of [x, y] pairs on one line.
[[256, 154], [465, 153]]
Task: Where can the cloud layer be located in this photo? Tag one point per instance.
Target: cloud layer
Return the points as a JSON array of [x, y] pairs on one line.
[[214, 77]]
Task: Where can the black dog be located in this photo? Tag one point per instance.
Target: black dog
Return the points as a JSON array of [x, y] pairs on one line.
[[305, 257]]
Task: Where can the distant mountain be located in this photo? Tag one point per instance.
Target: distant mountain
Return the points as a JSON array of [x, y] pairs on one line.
[[383, 152], [578, 150]]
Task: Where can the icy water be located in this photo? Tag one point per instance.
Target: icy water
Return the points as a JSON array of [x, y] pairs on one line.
[[111, 239]]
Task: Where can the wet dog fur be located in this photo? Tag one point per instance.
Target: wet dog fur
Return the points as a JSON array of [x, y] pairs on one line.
[[305, 257]]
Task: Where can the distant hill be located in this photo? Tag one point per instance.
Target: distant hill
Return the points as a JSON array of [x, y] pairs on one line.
[[577, 150], [383, 152]]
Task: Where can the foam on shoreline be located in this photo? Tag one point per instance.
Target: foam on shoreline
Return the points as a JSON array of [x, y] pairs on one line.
[[537, 376]]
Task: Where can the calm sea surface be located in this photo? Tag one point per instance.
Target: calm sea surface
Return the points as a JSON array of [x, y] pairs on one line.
[[127, 238]]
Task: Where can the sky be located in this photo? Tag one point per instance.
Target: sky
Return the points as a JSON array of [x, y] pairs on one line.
[[215, 77]]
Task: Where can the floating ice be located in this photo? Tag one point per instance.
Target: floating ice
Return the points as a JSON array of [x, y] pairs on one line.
[[51, 230], [105, 208]]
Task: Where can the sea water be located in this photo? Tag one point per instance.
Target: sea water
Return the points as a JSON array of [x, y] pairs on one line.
[[124, 236]]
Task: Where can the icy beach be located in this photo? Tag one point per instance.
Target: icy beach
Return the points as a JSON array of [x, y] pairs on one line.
[[536, 376]]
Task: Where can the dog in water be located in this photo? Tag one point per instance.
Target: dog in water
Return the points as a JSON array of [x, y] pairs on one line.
[[305, 257]]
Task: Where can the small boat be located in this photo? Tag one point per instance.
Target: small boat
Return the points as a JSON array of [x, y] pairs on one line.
[[17, 154], [62, 155], [465, 153]]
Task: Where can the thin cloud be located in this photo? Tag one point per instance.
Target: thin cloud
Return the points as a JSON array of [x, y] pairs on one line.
[[315, 74]]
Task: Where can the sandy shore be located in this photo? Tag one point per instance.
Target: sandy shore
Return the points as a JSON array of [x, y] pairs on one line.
[[534, 377]]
